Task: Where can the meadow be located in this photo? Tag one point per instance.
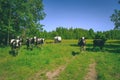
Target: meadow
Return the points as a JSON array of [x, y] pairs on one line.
[[62, 61]]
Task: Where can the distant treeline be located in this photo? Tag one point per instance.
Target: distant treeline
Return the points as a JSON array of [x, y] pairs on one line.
[[67, 33], [76, 33]]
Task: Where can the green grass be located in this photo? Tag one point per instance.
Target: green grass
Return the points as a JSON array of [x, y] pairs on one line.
[[28, 65]]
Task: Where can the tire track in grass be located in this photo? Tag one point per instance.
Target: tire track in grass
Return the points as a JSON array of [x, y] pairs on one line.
[[47, 75], [92, 74], [50, 75]]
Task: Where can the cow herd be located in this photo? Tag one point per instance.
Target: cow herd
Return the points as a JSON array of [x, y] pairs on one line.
[[15, 44], [30, 43]]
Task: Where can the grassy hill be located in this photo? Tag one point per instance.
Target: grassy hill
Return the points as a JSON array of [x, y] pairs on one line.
[[62, 61]]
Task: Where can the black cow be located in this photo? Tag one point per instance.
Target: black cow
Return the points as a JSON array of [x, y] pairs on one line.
[[82, 43], [99, 43]]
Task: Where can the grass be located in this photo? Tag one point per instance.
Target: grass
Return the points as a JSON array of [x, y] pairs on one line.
[[33, 65]]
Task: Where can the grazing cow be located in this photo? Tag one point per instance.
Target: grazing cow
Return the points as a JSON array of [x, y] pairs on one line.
[[34, 42], [29, 43], [99, 43], [57, 39], [20, 40], [15, 45], [82, 43], [40, 41]]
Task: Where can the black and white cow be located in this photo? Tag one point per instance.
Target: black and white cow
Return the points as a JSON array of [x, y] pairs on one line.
[[31, 42], [40, 41], [57, 39], [15, 45], [82, 43]]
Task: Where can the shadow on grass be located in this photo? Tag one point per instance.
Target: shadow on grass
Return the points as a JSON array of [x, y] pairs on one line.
[[75, 53], [74, 45], [113, 48]]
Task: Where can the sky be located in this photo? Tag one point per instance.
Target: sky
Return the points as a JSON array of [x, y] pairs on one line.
[[85, 14]]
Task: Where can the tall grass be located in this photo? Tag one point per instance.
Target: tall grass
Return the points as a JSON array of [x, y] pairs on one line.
[[28, 65]]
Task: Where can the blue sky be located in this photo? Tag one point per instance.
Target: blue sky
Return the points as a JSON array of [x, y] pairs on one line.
[[84, 14]]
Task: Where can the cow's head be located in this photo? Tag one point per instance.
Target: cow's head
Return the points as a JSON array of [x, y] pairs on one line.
[[17, 43]]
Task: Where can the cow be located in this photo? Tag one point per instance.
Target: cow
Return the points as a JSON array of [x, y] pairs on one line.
[[15, 45], [30, 42], [99, 43], [57, 39], [40, 41], [82, 43]]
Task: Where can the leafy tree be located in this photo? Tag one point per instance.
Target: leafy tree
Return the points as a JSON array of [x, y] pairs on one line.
[[100, 35], [20, 17], [91, 33], [70, 33], [115, 18]]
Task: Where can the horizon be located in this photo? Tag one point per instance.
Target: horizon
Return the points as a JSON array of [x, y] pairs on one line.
[[83, 14]]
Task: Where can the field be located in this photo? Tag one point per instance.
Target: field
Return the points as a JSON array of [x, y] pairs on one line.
[[62, 61]]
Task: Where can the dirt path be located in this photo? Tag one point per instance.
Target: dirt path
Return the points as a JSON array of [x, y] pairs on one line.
[[92, 74], [51, 75]]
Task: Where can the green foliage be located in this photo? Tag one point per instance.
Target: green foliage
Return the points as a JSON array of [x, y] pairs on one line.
[[100, 35], [20, 17], [71, 33], [115, 18], [76, 33], [112, 34], [91, 34]]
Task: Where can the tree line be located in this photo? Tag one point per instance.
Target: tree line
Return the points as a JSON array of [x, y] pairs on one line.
[[76, 33]]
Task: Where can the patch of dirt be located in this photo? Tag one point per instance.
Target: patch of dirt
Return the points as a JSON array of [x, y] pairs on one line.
[[52, 74], [38, 75], [49, 75], [92, 74]]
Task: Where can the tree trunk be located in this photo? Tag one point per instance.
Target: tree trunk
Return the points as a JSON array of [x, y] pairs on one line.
[[9, 24]]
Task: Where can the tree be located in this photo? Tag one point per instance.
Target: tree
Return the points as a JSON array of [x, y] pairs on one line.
[[115, 18], [100, 35], [91, 33], [20, 15]]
